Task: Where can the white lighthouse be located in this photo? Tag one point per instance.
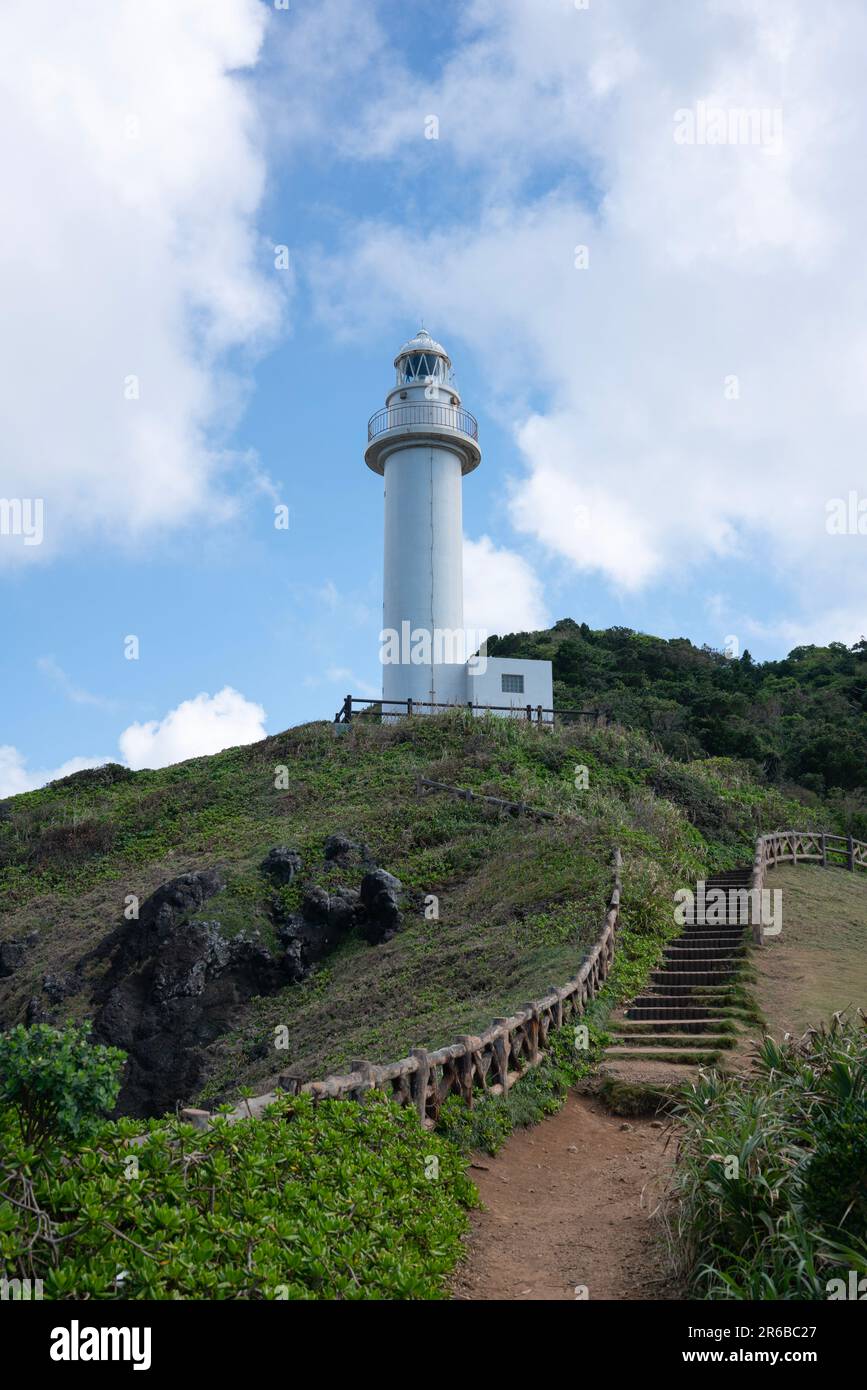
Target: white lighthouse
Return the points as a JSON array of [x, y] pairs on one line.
[[423, 443]]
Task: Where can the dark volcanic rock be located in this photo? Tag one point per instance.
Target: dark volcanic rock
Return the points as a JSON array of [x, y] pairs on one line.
[[314, 906], [174, 985], [36, 1012], [340, 849], [342, 909], [12, 954], [59, 987], [323, 921], [281, 864], [380, 898], [161, 913]]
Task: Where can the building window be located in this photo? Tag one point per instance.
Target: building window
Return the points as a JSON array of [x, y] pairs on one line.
[[420, 366], [512, 685]]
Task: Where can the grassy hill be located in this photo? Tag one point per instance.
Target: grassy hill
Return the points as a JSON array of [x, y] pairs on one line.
[[519, 900], [818, 965], [801, 720]]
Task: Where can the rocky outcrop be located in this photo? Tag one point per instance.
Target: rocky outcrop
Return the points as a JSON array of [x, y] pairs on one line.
[[380, 899], [339, 849], [12, 955], [281, 865], [323, 922], [175, 982], [173, 986]]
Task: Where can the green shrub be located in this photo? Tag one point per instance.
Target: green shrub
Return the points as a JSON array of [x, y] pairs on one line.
[[340, 1200], [790, 1214], [58, 1085], [835, 1179]]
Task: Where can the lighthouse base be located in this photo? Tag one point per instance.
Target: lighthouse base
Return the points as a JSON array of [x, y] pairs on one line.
[[501, 685]]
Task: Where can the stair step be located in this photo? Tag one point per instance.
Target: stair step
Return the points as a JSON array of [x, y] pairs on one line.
[[650, 1027], [689, 977], [685, 1013], [660, 1054], [708, 945], [688, 1041], [688, 965], [687, 954], [671, 1015], [710, 937], [678, 990], [726, 923], [698, 1008]]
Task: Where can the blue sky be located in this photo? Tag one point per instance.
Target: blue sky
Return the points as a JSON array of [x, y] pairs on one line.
[[695, 394]]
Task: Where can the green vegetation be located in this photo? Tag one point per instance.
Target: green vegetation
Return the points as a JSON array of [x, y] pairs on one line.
[[819, 962], [538, 1093], [802, 720], [339, 1201], [345, 1200], [519, 900], [56, 1084], [769, 1196]]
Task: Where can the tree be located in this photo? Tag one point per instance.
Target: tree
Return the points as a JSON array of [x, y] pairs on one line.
[[59, 1084]]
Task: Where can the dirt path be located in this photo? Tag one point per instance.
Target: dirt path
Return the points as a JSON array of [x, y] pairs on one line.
[[563, 1208]]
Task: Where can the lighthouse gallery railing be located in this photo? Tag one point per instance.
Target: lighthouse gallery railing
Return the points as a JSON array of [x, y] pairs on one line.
[[422, 413]]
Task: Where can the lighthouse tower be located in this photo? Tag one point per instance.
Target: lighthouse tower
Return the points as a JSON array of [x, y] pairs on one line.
[[422, 443]]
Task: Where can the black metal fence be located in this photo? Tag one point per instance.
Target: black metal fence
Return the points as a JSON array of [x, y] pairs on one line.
[[401, 709]]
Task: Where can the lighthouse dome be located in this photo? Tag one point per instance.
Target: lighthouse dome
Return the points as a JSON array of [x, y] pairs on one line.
[[422, 359]]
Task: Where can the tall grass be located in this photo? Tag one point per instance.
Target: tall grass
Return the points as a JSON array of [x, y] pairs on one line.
[[768, 1198]]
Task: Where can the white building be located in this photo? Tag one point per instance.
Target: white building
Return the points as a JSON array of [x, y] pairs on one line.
[[423, 443]]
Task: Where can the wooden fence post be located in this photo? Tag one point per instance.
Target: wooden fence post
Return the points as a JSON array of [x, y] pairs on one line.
[[558, 1007], [532, 1031], [824, 851], [419, 1082], [368, 1073], [501, 1054], [757, 884], [409, 705], [850, 853], [464, 1068]]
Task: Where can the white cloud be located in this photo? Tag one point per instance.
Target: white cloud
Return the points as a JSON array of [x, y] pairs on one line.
[[343, 675], [206, 724], [75, 693], [134, 173], [502, 593], [707, 263], [15, 778]]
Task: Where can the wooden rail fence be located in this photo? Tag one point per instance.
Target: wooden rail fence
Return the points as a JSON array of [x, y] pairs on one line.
[[803, 847], [517, 808], [491, 1061]]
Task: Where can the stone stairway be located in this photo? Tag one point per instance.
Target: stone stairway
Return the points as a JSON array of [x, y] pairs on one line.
[[687, 1015]]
